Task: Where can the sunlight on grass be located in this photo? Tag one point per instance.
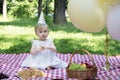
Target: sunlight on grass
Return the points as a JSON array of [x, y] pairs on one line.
[[16, 37], [5, 20], [13, 31], [63, 34], [84, 40], [5, 45]]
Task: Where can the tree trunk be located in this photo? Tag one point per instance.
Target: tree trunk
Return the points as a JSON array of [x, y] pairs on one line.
[[59, 12], [1, 6], [39, 7], [4, 9], [46, 7]]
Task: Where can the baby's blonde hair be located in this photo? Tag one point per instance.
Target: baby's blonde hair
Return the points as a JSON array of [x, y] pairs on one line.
[[39, 26]]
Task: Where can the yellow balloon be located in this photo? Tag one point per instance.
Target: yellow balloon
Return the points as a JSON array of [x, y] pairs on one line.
[[87, 15], [110, 2]]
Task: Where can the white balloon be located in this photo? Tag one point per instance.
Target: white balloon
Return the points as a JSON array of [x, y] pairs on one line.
[[113, 22], [87, 15]]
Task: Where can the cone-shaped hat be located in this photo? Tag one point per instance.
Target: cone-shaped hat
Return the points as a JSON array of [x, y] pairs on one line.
[[41, 19]]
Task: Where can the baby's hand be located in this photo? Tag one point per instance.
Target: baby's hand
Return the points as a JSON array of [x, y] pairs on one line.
[[42, 48]]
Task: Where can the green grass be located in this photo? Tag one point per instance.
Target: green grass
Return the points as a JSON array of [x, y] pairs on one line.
[[16, 36]]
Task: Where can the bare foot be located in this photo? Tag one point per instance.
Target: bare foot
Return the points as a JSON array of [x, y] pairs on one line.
[[50, 67]]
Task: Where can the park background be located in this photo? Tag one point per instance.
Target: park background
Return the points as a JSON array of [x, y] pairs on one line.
[[19, 17]]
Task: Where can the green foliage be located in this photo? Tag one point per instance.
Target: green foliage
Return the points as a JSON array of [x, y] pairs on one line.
[[23, 8], [28, 8], [48, 6]]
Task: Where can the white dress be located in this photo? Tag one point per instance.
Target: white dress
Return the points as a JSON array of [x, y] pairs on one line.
[[44, 58]]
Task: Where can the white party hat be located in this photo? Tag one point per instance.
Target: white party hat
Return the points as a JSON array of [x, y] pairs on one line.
[[41, 19]]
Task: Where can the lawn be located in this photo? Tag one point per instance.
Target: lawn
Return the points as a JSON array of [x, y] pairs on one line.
[[16, 36]]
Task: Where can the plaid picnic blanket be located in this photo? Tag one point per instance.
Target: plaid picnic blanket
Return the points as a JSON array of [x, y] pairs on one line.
[[10, 65]]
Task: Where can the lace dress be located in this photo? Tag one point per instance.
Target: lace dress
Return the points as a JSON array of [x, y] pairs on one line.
[[44, 58]]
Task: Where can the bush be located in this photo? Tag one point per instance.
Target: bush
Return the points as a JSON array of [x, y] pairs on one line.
[[22, 8]]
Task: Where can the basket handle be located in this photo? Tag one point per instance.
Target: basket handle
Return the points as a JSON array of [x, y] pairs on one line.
[[79, 50]]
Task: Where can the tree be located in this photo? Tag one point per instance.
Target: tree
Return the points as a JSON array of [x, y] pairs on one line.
[[59, 12], [4, 8], [39, 7], [47, 7]]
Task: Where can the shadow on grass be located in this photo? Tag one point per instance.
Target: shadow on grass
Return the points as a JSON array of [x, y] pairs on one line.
[[30, 22], [63, 46], [23, 47], [70, 28], [15, 45], [21, 22], [70, 45]]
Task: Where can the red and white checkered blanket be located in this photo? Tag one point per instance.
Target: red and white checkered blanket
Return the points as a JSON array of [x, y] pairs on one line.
[[10, 65]]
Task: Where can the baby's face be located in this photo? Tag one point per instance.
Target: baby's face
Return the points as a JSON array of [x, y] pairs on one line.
[[42, 33]]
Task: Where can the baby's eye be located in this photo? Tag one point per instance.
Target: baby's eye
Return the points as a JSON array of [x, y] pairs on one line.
[[40, 31], [45, 31]]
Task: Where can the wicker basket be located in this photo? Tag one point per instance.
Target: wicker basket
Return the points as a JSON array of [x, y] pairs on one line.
[[82, 74]]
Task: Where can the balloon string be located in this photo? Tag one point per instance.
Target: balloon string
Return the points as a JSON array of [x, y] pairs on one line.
[[106, 44], [107, 40], [106, 49]]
